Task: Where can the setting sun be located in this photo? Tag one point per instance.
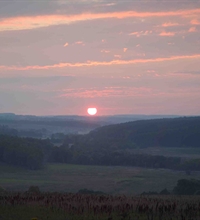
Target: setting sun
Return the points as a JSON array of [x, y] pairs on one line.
[[92, 111]]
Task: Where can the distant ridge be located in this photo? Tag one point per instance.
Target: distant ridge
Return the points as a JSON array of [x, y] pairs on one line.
[[102, 120], [168, 132]]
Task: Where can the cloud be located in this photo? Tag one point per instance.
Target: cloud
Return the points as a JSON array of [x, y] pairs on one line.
[[151, 71], [118, 56], [66, 44], [105, 5], [125, 49], [105, 51], [169, 24], [32, 22], [79, 42], [167, 34], [192, 29], [138, 34], [106, 92], [195, 22], [101, 63]]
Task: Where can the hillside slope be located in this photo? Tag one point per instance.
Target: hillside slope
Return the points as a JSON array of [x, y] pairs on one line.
[[177, 132]]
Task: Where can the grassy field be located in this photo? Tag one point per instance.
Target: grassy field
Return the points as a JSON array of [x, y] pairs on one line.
[[71, 178], [169, 151]]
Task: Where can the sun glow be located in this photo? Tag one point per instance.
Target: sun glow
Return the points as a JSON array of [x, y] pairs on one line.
[[92, 111]]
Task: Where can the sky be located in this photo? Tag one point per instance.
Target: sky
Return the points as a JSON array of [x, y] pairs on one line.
[[122, 57]]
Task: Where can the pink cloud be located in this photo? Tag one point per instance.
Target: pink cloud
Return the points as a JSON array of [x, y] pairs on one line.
[[102, 63], [117, 56], [195, 22], [151, 71], [106, 92], [105, 5], [66, 44], [125, 49], [192, 29], [32, 22], [167, 34], [140, 33], [105, 51], [78, 42], [169, 24], [135, 33]]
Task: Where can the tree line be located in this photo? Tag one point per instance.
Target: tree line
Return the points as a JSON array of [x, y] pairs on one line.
[[25, 152], [108, 145], [34, 153], [121, 158]]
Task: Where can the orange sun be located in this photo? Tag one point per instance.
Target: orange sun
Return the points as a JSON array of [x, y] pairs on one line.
[[92, 111]]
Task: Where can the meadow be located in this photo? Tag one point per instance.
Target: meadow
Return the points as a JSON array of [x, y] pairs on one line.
[[108, 179], [189, 153]]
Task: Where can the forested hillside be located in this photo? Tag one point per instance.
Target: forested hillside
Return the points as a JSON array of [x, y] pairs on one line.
[[178, 132], [110, 145]]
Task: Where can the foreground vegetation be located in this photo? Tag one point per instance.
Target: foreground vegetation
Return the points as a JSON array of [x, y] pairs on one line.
[[64, 206]]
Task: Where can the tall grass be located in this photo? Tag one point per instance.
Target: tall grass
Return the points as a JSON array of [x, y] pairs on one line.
[[69, 206]]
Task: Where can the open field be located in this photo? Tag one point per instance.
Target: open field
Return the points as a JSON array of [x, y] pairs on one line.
[[169, 151], [71, 178]]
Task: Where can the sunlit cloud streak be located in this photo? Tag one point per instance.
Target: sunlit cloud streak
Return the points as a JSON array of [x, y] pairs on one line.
[[140, 33], [195, 22], [79, 42], [106, 92], [192, 29], [167, 34], [32, 22], [105, 51], [169, 24], [117, 56], [105, 5], [66, 44], [101, 63]]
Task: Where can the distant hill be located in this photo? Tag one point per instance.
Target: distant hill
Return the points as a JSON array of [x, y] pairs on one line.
[[176, 132], [45, 126]]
